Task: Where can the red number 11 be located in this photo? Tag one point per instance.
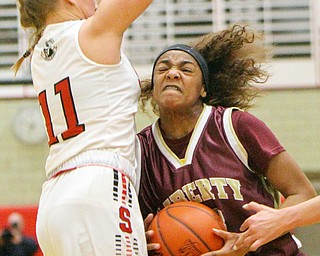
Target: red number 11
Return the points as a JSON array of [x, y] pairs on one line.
[[70, 114]]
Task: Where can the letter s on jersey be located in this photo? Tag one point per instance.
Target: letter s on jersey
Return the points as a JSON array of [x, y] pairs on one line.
[[124, 215]]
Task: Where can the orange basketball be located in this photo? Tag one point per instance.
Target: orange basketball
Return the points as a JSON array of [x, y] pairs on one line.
[[185, 228]]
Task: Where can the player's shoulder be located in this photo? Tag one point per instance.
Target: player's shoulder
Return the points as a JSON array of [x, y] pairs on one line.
[[236, 117], [145, 132], [240, 116], [225, 112]]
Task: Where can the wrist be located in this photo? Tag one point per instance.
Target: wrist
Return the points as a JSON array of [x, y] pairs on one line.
[[290, 218]]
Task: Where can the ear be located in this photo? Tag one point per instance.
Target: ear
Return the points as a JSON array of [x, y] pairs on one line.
[[203, 93]]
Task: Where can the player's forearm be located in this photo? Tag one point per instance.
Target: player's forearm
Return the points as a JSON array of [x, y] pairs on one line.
[[303, 214]]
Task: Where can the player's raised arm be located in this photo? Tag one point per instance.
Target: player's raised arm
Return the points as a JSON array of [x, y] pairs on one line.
[[101, 35], [117, 15]]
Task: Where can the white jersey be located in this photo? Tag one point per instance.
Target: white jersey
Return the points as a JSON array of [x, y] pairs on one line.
[[86, 106]]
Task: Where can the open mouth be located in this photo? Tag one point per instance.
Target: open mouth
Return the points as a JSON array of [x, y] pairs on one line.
[[172, 87]]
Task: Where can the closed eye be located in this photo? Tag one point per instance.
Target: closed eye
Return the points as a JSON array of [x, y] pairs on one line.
[[162, 69]]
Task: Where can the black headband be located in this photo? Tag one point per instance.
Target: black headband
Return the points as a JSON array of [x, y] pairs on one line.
[[196, 55]]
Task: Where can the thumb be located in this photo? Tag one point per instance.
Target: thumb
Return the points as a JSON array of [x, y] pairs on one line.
[[253, 206]]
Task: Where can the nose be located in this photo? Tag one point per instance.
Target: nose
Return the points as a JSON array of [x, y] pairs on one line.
[[173, 74]]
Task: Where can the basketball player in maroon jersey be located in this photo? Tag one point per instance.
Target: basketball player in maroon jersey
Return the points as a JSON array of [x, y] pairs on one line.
[[204, 149]]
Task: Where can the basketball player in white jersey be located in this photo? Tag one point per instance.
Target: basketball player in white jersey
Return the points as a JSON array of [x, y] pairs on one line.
[[88, 93]]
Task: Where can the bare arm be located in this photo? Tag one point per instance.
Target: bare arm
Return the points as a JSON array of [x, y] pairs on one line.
[[101, 35], [269, 223], [287, 177]]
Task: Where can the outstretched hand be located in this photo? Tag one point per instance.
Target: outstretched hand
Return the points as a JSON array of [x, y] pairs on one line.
[[260, 228], [228, 248], [150, 233]]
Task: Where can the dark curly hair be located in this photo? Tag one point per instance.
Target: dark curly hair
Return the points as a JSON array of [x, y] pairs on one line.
[[234, 57]]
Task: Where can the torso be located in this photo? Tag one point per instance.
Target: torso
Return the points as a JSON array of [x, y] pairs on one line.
[[210, 173], [87, 106]]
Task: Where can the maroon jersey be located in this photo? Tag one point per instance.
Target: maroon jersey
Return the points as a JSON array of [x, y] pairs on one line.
[[211, 172]]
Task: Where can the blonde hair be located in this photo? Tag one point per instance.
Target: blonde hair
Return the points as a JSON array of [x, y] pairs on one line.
[[33, 14]]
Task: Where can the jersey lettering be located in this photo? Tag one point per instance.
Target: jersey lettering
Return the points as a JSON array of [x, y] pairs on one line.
[[206, 189], [124, 215], [42, 97], [74, 128], [62, 88]]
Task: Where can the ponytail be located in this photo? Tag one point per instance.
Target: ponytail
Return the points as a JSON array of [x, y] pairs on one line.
[[33, 14], [19, 62], [27, 53]]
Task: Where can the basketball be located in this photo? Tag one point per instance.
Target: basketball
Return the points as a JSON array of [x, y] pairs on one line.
[[185, 228]]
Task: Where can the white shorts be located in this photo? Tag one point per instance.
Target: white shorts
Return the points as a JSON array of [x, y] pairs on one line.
[[90, 211]]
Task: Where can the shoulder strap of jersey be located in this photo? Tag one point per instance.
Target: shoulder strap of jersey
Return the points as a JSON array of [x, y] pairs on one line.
[[242, 154], [232, 137]]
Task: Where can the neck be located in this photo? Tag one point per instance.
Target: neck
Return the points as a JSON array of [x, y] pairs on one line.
[[64, 14], [177, 124]]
